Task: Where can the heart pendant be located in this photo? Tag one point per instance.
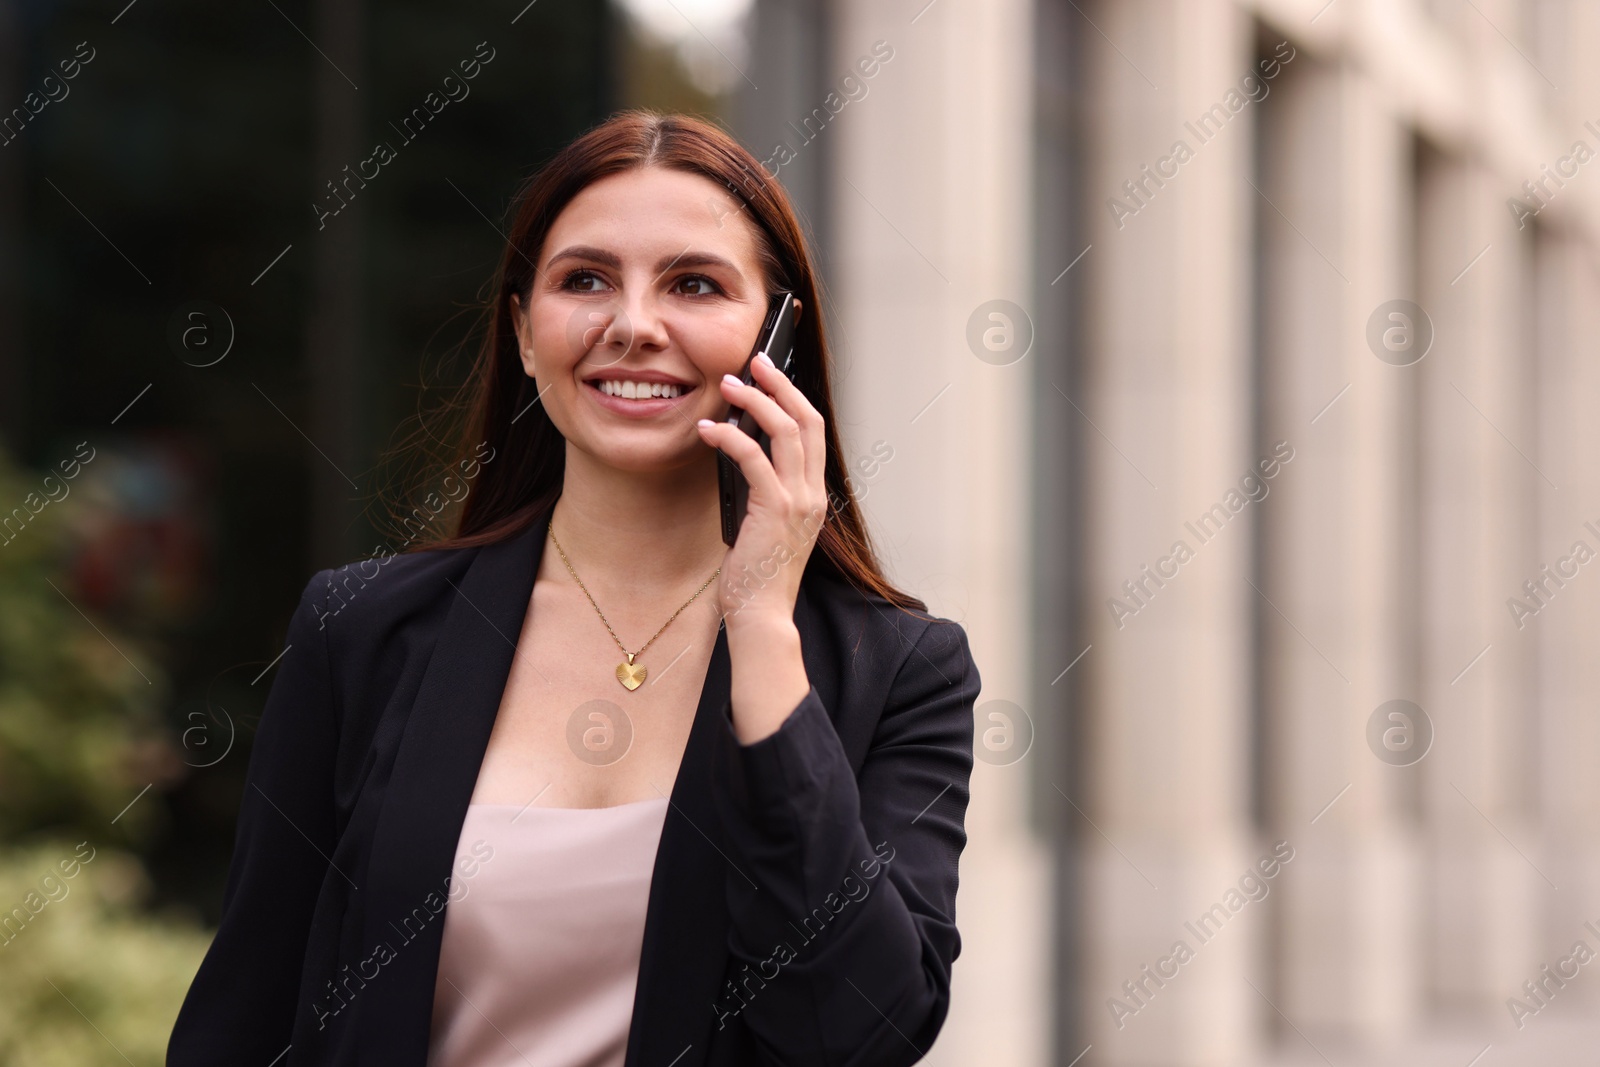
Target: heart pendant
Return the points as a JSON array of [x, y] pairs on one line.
[[630, 674]]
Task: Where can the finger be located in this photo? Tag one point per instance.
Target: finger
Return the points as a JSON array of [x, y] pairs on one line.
[[788, 448], [798, 405], [746, 454]]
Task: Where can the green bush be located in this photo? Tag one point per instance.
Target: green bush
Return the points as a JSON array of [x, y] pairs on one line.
[[88, 975], [90, 978], [80, 724]]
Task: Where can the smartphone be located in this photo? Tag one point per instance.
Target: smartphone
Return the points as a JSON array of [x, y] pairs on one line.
[[776, 339]]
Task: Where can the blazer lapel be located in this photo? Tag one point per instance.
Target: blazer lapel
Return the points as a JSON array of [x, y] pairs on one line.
[[684, 952], [684, 960], [435, 771]]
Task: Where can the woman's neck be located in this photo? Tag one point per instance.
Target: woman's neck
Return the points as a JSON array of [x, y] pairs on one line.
[[651, 532]]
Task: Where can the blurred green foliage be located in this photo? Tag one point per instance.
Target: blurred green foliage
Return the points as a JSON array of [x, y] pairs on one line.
[[87, 975], [90, 980], [80, 723]]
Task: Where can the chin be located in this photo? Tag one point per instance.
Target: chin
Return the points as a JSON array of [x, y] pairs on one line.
[[652, 458]]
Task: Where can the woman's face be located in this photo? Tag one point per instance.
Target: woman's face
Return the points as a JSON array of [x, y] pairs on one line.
[[647, 292]]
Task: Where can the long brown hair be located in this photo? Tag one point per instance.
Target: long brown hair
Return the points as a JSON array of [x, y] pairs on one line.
[[522, 477]]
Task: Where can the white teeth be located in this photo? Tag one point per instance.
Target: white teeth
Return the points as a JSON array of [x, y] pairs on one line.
[[639, 390]]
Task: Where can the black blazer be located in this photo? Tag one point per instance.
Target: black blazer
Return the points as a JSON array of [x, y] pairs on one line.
[[802, 902]]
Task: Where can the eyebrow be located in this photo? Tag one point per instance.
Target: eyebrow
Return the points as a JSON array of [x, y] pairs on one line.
[[609, 259]]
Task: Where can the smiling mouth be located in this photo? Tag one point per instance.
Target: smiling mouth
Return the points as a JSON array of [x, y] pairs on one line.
[[630, 390]]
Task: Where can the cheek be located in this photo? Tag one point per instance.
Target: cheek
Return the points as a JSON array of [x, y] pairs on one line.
[[559, 335], [718, 348]]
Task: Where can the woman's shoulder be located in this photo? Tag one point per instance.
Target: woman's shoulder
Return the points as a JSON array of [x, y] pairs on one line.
[[873, 633], [379, 592]]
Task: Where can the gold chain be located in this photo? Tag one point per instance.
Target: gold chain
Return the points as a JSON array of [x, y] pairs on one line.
[[602, 614]]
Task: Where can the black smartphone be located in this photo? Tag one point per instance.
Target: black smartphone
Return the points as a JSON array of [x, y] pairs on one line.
[[776, 339]]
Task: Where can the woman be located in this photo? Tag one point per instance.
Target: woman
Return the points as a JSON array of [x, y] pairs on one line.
[[644, 799]]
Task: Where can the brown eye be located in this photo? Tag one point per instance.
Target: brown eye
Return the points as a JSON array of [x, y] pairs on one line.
[[709, 286], [579, 281]]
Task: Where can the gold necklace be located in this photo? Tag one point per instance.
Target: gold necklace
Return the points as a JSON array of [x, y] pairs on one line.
[[630, 674]]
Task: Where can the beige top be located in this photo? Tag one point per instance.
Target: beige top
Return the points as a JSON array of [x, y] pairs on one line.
[[541, 943]]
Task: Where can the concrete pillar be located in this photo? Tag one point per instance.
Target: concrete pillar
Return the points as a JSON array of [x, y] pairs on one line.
[[1335, 227], [790, 59], [1162, 816], [930, 205], [1565, 732], [1477, 508], [1567, 308]]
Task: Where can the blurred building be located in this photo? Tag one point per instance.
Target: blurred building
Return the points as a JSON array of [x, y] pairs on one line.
[[1235, 359]]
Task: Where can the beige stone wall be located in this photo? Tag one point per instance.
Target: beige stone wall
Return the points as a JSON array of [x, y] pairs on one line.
[[930, 219], [1225, 707]]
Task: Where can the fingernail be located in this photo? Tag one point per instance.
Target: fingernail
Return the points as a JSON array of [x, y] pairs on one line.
[[705, 424], [732, 379], [763, 357]]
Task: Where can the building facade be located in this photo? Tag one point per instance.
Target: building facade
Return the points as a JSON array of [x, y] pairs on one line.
[[1236, 364]]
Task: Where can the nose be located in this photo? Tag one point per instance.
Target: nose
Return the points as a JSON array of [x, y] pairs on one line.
[[635, 323]]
